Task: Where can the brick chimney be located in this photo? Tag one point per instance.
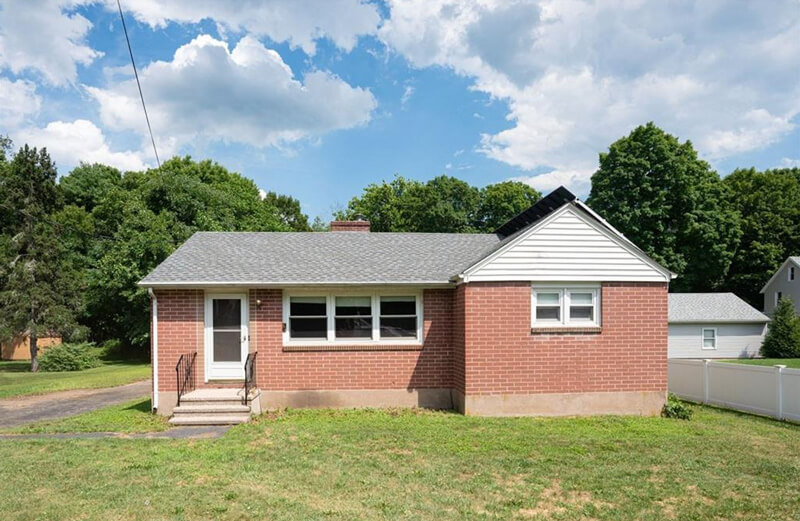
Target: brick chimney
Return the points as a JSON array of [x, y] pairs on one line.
[[359, 225]]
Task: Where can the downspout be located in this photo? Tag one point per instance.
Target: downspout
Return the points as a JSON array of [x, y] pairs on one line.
[[154, 348]]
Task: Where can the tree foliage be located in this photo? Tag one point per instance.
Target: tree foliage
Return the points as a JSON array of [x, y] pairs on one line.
[[783, 336], [146, 216], [657, 192], [443, 204], [41, 291], [769, 205]]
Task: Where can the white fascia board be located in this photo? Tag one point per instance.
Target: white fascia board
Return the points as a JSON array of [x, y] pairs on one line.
[[257, 284]]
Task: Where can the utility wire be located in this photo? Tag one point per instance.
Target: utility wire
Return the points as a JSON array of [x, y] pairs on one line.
[[138, 84]]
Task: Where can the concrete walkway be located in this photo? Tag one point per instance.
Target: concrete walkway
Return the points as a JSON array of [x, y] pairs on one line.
[[52, 406]]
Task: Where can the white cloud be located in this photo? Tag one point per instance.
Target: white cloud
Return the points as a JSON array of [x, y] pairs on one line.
[[18, 99], [407, 93], [578, 75], [299, 22], [788, 162], [247, 95], [70, 143], [44, 36], [578, 181]]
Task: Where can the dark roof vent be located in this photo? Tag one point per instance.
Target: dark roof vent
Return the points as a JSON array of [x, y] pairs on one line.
[[542, 208]]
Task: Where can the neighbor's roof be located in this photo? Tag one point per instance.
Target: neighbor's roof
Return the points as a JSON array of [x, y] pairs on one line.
[[711, 307], [231, 258], [795, 260]]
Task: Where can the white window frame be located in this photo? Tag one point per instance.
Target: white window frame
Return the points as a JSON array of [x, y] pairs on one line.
[[778, 297], [564, 291], [791, 273], [703, 338], [330, 302]]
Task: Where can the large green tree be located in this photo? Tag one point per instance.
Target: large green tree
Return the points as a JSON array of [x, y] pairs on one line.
[[502, 201], [288, 210], [142, 220], [657, 192], [443, 204], [769, 205], [87, 185], [40, 292]]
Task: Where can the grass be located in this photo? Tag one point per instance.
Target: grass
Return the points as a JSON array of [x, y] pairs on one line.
[[17, 380], [133, 416], [421, 465], [793, 363]]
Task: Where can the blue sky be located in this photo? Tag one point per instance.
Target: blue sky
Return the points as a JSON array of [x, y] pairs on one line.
[[319, 99]]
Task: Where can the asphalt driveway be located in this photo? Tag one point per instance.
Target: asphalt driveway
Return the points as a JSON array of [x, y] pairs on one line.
[[27, 409]]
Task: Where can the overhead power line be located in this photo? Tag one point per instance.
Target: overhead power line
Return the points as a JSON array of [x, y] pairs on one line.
[[138, 84]]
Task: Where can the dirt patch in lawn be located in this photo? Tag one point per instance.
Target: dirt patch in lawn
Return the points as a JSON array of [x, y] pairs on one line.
[[554, 500]]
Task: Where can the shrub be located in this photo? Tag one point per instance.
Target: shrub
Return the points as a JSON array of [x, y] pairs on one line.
[[69, 357], [783, 335], [675, 408]]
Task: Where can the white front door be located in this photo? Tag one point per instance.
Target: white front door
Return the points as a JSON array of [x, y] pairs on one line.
[[227, 340]]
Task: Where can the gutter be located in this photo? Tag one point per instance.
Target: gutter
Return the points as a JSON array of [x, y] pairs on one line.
[[155, 349]]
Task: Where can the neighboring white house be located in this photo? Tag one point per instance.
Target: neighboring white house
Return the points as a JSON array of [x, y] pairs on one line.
[[714, 325], [784, 283]]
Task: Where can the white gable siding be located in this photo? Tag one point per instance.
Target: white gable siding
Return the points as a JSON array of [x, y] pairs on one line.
[[567, 247], [733, 340]]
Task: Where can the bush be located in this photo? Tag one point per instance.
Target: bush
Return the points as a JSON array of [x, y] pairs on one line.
[[69, 357], [675, 408], [783, 335]]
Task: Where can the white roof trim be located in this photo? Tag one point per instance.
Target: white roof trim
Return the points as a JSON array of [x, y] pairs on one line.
[[771, 279], [278, 284], [603, 227]]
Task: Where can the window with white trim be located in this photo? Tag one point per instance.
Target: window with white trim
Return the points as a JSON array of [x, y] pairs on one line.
[[353, 318], [565, 306], [709, 338], [308, 317], [345, 317], [398, 316], [791, 273]]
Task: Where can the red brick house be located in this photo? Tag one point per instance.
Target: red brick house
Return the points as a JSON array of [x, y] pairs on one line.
[[556, 313]]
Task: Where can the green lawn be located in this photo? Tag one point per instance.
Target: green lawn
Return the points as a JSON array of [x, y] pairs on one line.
[[133, 416], [420, 465], [17, 380], [793, 363]]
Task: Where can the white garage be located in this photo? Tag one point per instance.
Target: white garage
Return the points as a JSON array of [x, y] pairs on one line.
[[714, 325]]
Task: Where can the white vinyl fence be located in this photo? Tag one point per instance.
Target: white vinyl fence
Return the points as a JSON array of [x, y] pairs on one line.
[[771, 391]]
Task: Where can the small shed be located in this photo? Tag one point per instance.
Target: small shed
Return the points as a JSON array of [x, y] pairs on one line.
[[20, 347], [714, 325]]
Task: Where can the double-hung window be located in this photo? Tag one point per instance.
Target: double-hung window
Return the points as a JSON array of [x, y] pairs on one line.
[[709, 338], [565, 306], [398, 317], [308, 317], [352, 318]]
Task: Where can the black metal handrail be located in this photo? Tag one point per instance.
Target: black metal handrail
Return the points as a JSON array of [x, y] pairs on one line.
[[184, 373], [249, 375]]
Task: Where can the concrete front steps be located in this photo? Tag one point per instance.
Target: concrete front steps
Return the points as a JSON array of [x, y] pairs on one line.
[[211, 407]]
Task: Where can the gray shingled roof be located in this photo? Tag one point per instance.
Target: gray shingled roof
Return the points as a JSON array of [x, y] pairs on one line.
[[320, 258], [712, 307]]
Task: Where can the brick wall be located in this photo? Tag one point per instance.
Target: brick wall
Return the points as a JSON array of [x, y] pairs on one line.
[[180, 331], [477, 341], [502, 356], [428, 368]]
